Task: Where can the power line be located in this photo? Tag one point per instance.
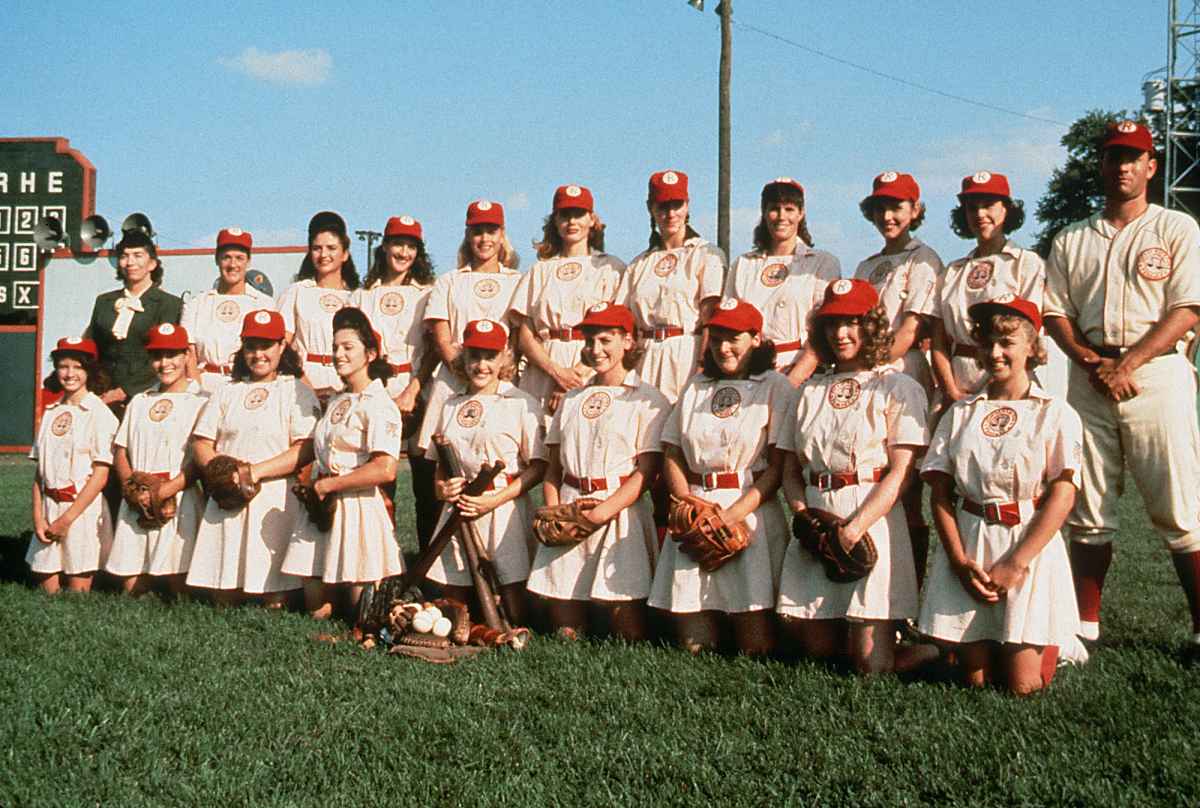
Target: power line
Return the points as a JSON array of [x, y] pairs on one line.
[[898, 79]]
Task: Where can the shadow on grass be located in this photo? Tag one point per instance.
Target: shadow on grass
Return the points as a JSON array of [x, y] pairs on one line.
[[12, 558]]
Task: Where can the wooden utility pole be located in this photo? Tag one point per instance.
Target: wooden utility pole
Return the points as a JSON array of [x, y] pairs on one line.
[[725, 9]]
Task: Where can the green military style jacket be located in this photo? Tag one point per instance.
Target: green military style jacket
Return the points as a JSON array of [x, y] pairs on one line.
[[126, 360]]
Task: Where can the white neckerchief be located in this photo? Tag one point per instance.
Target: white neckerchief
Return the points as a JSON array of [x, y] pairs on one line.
[[126, 306]]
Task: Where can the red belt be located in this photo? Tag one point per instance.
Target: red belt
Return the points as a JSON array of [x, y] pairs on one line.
[[162, 475], [784, 347], [566, 334], [403, 367], [963, 349], [997, 513], [660, 333], [66, 494], [589, 485], [319, 358], [718, 479], [832, 481], [209, 367]]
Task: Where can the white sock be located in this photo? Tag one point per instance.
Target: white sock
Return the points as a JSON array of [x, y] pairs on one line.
[[1090, 630]]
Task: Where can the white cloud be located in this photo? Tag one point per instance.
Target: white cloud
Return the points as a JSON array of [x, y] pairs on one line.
[[518, 201], [282, 67], [1027, 157]]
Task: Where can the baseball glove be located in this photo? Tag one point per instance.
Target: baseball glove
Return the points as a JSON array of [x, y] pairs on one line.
[[320, 511], [227, 481], [704, 532], [820, 533], [140, 491], [565, 525]]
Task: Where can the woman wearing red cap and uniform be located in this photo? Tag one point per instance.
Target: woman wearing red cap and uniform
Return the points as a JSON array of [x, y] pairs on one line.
[[784, 277], [572, 274], [986, 212], [492, 420], [672, 287], [72, 524], [213, 318], [393, 297], [323, 285], [356, 445], [720, 444], [851, 441], [604, 443], [265, 417], [154, 438]]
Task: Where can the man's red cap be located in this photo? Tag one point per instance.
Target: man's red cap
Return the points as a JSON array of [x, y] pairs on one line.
[[608, 315], [486, 334], [75, 345], [985, 183], [668, 186], [1007, 304], [403, 226], [893, 185], [1128, 133], [848, 297], [573, 196], [484, 211], [234, 237], [736, 315], [167, 337], [263, 324]]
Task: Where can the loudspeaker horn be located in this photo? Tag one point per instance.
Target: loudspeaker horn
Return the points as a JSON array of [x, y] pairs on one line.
[[138, 222], [93, 233], [48, 234]]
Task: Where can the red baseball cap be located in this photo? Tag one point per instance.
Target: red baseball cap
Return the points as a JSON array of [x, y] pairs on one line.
[[167, 337], [668, 186], [1128, 133], [75, 345], [848, 297], [783, 181], [486, 334], [985, 183], [736, 315], [485, 211], [234, 237], [573, 196], [608, 315], [263, 324], [1007, 304], [403, 226], [893, 185]]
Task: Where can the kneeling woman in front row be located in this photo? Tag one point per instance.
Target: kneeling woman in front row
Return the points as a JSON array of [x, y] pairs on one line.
[[1002, 591], [356, 444], [720, 445], [850, 445]]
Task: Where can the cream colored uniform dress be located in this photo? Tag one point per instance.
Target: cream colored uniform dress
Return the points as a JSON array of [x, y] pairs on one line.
[[70, 439], [1115, 285], [728, 425], [847, 422], [156, 435], [214, 326], [906, 282], [361, 546], [254, 421], [508, 426], [461, 297], [554, 295], [785, 289], [398, 314], [308, 311], [970, 280], [600, 431], [664, 289], [1004, 452]]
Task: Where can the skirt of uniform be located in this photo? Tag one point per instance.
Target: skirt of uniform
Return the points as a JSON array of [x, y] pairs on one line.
[[537, 383], [245, 549], [1042, 611], [322, 376], [83, 549], [360, 547], [916, 365], [444, 385], [749, 582], [888, 593], [165, 551], [667, 365], [615, 563], [505, 534]]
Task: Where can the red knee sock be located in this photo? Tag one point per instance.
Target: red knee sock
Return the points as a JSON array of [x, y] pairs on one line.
[[1187, 567], [1049, 664], [1089, 565]]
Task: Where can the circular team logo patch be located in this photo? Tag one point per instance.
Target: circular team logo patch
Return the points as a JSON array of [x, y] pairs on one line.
[[595, 404], [726, 401], [568, 271], [1154, 264], [391, 304], [339, 412], [844, 393], [61, 425], [1126, 127], [842, 287], [483, 204], [773, 275], [487, 288], [880, 273], [979, 275], [331, 303], [255, 398], [228, 311], [161, 409], [982, 177], [889, 176], [470, 413], [670, 178], [999, 422], [666, 265]]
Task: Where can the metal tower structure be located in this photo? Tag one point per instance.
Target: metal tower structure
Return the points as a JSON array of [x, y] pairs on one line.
[[1182, 109]]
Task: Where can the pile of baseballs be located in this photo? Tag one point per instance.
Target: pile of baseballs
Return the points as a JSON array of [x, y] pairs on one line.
[[429, 619]]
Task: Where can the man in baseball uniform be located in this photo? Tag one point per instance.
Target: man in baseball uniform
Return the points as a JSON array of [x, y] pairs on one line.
[[1122, 291]]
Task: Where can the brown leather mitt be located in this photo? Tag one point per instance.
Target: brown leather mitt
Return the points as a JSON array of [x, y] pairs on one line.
[[705, 533], [227, 482], [140, 491], [820, 533], [565, 525], [320, 511]]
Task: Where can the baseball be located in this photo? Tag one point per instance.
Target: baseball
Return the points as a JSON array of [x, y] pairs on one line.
[[423, 622], [441, 627]]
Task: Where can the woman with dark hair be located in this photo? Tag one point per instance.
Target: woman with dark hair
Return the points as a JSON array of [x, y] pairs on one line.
[[323, 285], [784, 277], [997, 266], [850, 446], [719, 444], [1004, 467], [356, 444], [264, 417], [121, 319], [572, 274], [72, 524], [605, 444]]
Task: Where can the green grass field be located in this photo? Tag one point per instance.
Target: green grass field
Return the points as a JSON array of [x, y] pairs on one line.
[[110, 701]]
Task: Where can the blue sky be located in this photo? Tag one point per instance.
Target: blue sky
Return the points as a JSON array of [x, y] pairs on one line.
[[203, 117]]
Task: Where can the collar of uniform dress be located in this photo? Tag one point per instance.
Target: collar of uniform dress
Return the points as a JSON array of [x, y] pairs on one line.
[[913, 244], [631, 380], [193, 386], [1010, 248], [1035, 391], [89, 402]]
